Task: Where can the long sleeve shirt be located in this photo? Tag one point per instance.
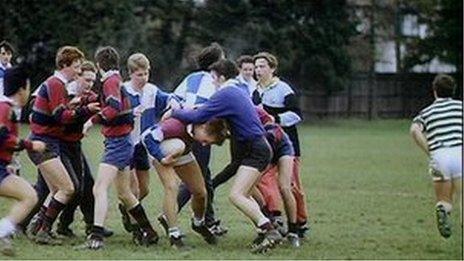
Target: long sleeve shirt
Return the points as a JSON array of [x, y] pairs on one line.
[[148, 105], [232, 104], [50, 111], [116, 114], [9, 141]]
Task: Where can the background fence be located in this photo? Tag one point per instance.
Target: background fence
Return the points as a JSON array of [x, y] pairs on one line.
[[377, 96]]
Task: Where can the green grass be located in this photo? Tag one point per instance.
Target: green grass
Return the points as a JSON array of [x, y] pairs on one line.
[[369, 195]]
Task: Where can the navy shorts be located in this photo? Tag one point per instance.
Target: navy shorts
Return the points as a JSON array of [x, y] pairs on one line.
[[3, 172], [140, 158], [52, 149], [256, 153], [281, 148], [118, 151]]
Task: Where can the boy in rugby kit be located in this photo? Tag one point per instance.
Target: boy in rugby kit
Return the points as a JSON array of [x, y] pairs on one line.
[[231, 103], [11, 186], [186, 167], [116, 117], [50, 114], [437, 130]]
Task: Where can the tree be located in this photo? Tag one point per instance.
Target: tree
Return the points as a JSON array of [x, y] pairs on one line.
[[309, 37], [444, 40]]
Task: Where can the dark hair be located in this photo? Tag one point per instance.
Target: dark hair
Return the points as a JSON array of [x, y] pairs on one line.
[[270, 58], [444, 85], [15, 79], [225, 67], [244, 59], [107, 58], [219, 129], [209, 55], [7, 46]]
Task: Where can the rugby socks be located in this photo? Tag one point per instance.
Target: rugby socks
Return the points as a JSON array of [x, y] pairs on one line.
[[54, 208], [6, 227], [198, 221], [139, 214], [265, 224], [97, 232], [174, 232], [293, 227], [447, 206]]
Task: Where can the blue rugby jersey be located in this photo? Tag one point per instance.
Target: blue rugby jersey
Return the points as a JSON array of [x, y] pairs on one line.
[[150, 103], [2, 75], [231, 103], [195, 89]]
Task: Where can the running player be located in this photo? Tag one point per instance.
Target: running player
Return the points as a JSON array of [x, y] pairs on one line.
[[437, 130], [11, 186]]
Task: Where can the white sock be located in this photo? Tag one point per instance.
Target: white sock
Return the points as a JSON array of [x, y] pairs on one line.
[[447, 206], [174, 232], [263, 221], [6, 227], [198, 221]]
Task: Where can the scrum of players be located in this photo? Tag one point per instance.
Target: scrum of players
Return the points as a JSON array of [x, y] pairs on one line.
[[147, 130]]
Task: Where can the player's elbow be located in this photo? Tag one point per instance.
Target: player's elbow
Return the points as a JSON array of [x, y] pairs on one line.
[[414, 130]]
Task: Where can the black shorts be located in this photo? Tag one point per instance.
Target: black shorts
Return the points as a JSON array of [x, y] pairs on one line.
[[52, 149], [256, 153], [140, 159], [280, 148]]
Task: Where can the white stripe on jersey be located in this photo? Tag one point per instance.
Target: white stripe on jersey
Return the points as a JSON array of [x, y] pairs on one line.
[[442, 122]]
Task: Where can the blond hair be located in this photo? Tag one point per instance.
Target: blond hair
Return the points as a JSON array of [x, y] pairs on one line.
[[137, 61]]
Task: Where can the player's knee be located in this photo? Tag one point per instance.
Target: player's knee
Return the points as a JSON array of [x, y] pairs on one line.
[[171, 188], [68, 190], [143, 192], [125, 196], [30, 198]]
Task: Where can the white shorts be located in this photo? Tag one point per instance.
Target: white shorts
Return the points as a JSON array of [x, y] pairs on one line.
[[446, 163]]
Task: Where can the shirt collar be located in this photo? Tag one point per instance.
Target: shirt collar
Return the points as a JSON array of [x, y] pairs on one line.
[[442, 99], [60, 76], [108, 74], [8, 65], [272, 83], [230, 82], [9, 100], [190, 130]]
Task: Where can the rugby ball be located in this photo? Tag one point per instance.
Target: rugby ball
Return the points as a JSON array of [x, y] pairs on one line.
[[173, 146]]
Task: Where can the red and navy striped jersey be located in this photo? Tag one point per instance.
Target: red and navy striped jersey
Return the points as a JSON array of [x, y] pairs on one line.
[[74, 131], [50, 112], [9, 141], [116, 115]]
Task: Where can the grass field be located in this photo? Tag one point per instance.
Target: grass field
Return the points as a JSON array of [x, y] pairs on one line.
[[368, 191]]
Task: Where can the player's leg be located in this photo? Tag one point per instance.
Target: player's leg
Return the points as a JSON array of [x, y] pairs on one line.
[[269, 187], [285, 164], [147, 235], [72, 160], [170, 183], [190, 174], [300, 197], [42, 191], [56, 176], [15, 187], [142, 168]]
